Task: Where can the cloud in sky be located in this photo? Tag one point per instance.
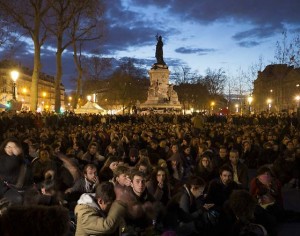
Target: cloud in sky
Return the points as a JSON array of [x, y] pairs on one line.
[[198, 33], [199, 51]]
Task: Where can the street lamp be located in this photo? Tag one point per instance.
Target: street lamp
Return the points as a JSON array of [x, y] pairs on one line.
[[212, 106], [14, 76], [269, 101], [250, 99], [236, 108]]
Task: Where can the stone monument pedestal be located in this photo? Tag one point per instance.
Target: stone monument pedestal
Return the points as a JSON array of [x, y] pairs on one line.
[[161, 95]]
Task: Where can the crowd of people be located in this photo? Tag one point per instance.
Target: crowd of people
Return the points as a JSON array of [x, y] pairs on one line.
[[155, 174]]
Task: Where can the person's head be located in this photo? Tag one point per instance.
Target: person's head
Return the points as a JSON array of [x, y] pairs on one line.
[[49, 187], [174, 148], [144, 166], [138, 182], [133, 155], [153, 144], [202, 148], [242, 204], [112, 149], [105, 195], [44, 154], [264, 175], [205, 162], [90, 172], [196, 186], [93, 148], [143, 153], [121, 175], [111, 162], [226, 174], [187, 150], [159, 175], [222, 152], [11, 147], [247, 145], [234, 157], [290, 145]]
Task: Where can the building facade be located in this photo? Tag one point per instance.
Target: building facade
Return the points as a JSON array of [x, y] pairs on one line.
[[46, 90], [277, 89]]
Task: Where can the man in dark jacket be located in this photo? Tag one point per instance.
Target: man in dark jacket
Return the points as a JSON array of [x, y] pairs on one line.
[[220, 189]]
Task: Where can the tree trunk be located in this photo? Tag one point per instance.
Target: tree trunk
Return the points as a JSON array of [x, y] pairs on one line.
[[58, 76], [35, 76], [79, 79]]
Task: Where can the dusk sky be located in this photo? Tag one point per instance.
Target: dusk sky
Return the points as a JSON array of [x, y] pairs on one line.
[[228, 34]]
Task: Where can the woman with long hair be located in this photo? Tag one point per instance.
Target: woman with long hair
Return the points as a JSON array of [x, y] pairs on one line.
[[205, 169], [159, 185], [107, 171]]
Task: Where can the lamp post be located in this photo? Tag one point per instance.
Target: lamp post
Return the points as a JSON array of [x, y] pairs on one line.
[[250, 99], [269, 101], [212, 107], [237, 108], [14, 76], [70, 102]]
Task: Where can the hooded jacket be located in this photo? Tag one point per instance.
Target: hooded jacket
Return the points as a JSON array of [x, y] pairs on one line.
[[91, 220]]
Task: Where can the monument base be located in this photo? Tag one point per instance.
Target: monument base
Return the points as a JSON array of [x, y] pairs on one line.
[[161, 95]]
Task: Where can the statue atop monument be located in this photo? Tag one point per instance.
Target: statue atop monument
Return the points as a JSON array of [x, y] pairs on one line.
[[159, 51]]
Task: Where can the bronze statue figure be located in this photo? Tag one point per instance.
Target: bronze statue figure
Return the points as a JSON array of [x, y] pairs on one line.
[[159, 50]]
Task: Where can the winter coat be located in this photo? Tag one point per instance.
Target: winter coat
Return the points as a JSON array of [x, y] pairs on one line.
[[91, 220]]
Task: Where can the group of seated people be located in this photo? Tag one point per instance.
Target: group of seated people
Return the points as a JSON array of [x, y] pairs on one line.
[[155, 178]]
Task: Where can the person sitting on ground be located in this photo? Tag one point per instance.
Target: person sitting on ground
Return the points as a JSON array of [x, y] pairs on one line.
[[133, 157], [107, 171], [87, 183], [265, 181], [121, 176], [100, 213], [145, 166], [159, 185], [220, 189], [243, 207], [240, 170], [93, 156], [205, 169], [142, 213], [15, 174]]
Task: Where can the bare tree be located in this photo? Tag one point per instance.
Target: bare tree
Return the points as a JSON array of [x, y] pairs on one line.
[[86, 27], [288, 52], [29, 16], [69, 26], [96, 67], [184, 74], [214, 80]]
